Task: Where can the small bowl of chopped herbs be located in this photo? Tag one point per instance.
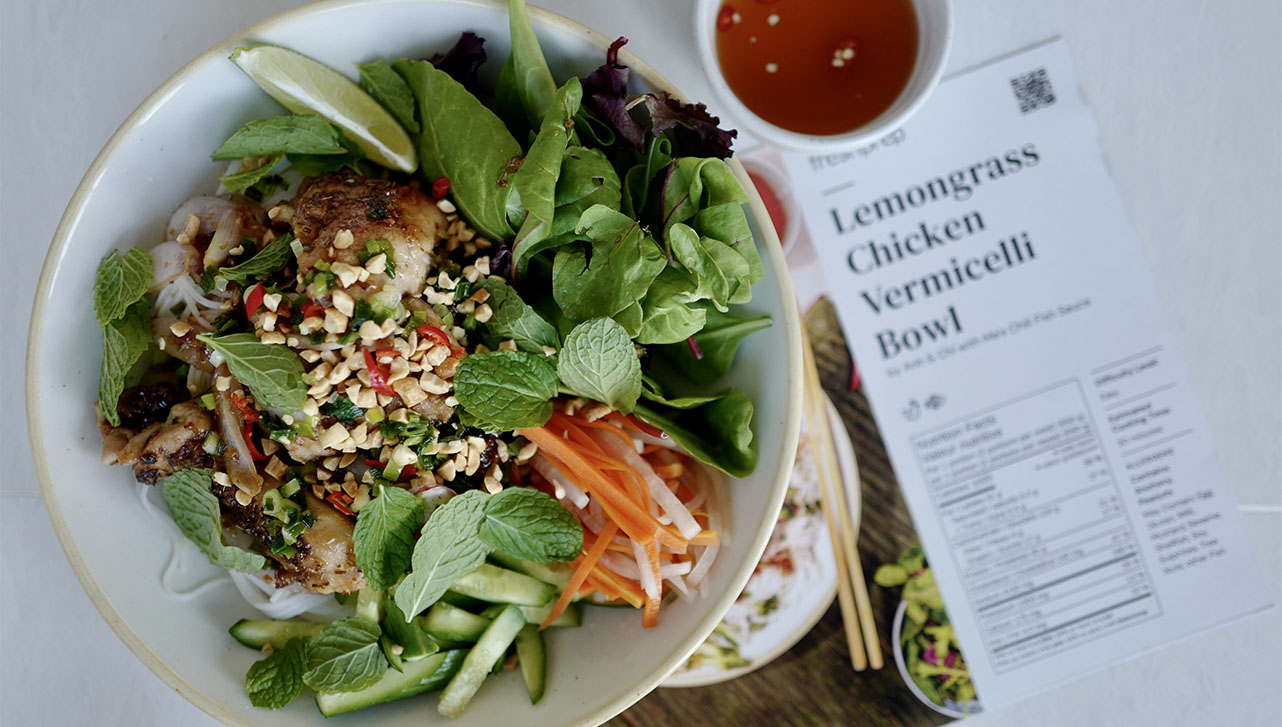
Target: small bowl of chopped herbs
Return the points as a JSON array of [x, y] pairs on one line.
[[929, 657]]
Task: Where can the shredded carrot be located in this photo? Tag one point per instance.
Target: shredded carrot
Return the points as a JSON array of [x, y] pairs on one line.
[[583, 566], [639, 524], [625, 589], [622, 496]]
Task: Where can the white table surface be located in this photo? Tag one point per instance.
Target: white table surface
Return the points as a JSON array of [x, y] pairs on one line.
[[1189, 100]]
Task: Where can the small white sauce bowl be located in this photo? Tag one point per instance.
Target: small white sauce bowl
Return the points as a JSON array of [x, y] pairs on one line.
[[934, 35]]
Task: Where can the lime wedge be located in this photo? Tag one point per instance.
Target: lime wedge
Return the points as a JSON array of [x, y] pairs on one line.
[[305, 86]]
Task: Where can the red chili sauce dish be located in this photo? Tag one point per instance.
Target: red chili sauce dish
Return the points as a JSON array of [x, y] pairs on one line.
[[819, 67]]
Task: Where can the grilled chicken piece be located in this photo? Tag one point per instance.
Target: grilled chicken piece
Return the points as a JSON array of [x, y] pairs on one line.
[[158, 448], [370, 209], [326, 560], [177, 444]]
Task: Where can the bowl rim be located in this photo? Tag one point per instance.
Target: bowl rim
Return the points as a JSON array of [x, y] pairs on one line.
[[791, 324], [705, 34]]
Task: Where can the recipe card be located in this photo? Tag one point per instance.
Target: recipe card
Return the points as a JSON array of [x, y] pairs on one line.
[[1026, 381]]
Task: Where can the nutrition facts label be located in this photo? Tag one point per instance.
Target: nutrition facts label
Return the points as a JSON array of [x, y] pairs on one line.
[[1032, 510], [1026, 383]]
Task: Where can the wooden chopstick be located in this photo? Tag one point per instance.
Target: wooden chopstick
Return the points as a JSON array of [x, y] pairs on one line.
[[861, 628]]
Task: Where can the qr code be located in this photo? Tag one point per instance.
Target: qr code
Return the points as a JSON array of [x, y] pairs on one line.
[[1033, 91]]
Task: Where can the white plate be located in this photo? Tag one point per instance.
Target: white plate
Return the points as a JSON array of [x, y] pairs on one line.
[[159, 158], [811, 590]]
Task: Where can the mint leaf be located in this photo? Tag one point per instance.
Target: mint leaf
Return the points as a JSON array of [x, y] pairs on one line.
[[513, 319], [624, 261], [195, 510], [600, 362], [528, 524], [718, 433], [450, 548], [384, 536], [266, 262], [318, 165], [718, 341], [244, 180], [120, 282], [292, 134], [345, 656], [124, 341], [391, 91], [505, 390], [273, 373], [275, 681]]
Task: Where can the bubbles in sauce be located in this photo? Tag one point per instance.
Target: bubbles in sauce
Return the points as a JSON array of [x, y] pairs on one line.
[[817, 66]]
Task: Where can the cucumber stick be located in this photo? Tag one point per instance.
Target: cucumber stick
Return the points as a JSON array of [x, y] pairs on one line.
[[571, 616], [489, 649], [425, 675], [533, 657], [499, 585], [257, 633], [557, 574], [450, 623]]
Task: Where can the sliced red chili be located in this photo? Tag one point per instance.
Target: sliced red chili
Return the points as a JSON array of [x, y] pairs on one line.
[[428, 330], [249, 443], [340, 501], [408, 470], [440, 188], [377, 380], [254, 299], [247, 411], [373, 463], [311, 309]]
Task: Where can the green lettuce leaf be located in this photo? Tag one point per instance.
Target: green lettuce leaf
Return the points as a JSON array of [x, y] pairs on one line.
[[718, 432], [390, 90], [531, 203], [533, 81], [462, 139], [718, 341], [624, 262]]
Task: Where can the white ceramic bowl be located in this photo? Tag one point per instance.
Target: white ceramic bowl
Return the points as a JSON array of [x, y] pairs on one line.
[[935, 37], [160, 157]]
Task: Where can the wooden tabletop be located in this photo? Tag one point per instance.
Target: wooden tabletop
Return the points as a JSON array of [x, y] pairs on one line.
[[812, 685]]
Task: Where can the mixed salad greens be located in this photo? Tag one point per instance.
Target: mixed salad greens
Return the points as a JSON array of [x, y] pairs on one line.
[[929, 644], [471, 453]]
